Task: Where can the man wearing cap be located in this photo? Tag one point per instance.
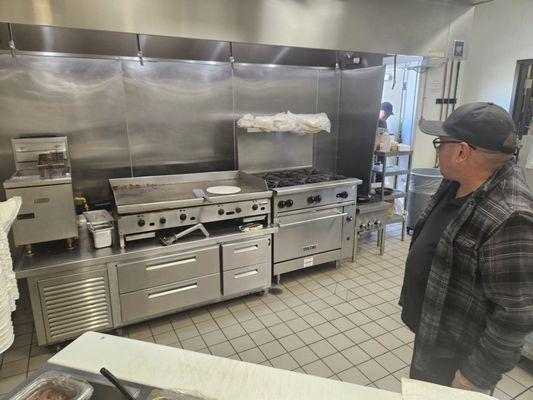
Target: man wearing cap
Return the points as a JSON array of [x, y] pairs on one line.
[[384, 113], [468, 285]]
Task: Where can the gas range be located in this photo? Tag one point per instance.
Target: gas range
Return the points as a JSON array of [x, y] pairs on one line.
[[315, 213], [305, 176], [308, 188]]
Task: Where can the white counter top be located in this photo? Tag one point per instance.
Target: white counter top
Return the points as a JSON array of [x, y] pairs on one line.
[[215, 377]]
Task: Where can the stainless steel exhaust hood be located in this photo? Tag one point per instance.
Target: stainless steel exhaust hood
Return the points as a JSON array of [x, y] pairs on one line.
[[417, 27]]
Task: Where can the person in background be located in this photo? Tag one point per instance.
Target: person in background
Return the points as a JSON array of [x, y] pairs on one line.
[[468, 285], [384, 113]]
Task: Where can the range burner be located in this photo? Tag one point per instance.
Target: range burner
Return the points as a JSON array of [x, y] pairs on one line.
[[297, 177]]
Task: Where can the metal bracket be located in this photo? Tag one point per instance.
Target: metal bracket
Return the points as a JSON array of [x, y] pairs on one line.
[[168, 240]]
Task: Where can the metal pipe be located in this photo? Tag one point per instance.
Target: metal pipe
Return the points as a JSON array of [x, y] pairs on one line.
[[456, 84], [443, 90], [450, 78], [394, 78], [11, 43], [139, 50]]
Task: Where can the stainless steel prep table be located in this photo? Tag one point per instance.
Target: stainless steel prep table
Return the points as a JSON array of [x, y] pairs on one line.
[[89, 277]]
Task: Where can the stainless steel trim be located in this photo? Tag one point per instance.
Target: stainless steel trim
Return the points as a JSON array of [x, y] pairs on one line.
[[171, 264], [168, 292], [312, 220], [317, 186]]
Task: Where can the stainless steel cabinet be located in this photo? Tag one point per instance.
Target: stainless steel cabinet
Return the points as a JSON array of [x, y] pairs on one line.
[[73, 304], [161, 299], [152, 272]]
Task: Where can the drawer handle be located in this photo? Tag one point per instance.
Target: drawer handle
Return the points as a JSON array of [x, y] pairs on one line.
[[245, 274], [177, 290], [171, 264], [309, 221], [245, 249]]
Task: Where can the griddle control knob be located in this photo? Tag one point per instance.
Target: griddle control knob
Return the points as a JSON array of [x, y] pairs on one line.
[[221, 211], [141, 222], [282, 203], [289, 203], [238, 210], [255, 207], [162, 220], [318, 198], [183, 217], [342, 195], [310, 199]]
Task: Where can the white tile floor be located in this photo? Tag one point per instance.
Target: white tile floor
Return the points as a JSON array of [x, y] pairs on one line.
[[338, 323]]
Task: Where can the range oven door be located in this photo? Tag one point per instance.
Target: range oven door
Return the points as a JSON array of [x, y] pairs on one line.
[[308, 233]]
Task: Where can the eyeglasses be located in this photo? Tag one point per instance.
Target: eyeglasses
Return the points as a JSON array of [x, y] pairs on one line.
[[438, 142]]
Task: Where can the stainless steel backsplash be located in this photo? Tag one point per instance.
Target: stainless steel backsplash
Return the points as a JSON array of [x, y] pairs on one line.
[[123, 119]]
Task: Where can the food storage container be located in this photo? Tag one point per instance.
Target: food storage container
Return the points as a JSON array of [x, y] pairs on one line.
[[57, 386]]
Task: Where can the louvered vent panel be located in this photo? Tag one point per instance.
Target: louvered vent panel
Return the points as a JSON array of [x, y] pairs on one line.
[[75, 307]]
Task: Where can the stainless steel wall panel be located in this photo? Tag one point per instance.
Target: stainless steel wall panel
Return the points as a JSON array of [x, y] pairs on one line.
[[184, 49], [74, 41], [262, 90], [180, 117], [79, 98], [282, 55], [329, 86], [361, 91]]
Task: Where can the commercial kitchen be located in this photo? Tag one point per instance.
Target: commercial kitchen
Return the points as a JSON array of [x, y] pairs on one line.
[[197, 197]]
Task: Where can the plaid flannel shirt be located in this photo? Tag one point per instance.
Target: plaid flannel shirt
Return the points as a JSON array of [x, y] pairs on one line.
[[479, 296]]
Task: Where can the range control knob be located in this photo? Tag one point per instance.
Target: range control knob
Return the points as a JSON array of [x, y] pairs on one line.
[[342, 195], [318, 198], [289, 203], [141, 222], [255, 207], [310, 199], [183, 217], [162, 220], [238, 210], [282, 204], [221, 211]]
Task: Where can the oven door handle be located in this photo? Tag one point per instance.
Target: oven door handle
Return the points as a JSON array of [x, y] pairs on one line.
[[308, 221]]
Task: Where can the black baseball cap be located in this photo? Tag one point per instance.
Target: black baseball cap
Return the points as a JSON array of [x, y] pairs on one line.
[[387, 107], [480, 124]]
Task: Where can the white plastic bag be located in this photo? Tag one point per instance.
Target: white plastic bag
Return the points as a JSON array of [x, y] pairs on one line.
[[287, 122]]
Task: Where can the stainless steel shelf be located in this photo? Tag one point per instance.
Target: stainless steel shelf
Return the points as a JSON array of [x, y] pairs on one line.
[[393, 153], [392, 171], [397, 194]]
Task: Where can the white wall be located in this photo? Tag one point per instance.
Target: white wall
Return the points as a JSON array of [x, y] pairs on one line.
[[502, 34]]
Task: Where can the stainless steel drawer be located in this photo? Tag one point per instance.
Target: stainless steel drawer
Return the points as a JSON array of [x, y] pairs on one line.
[[158, 271], [242, 254], [166, 298], [247, 278], [308, 233]]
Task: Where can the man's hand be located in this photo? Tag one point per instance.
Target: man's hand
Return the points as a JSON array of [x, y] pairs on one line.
[[460, 382]]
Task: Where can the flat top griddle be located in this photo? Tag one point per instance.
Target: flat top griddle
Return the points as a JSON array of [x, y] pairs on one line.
[[175, 191]]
